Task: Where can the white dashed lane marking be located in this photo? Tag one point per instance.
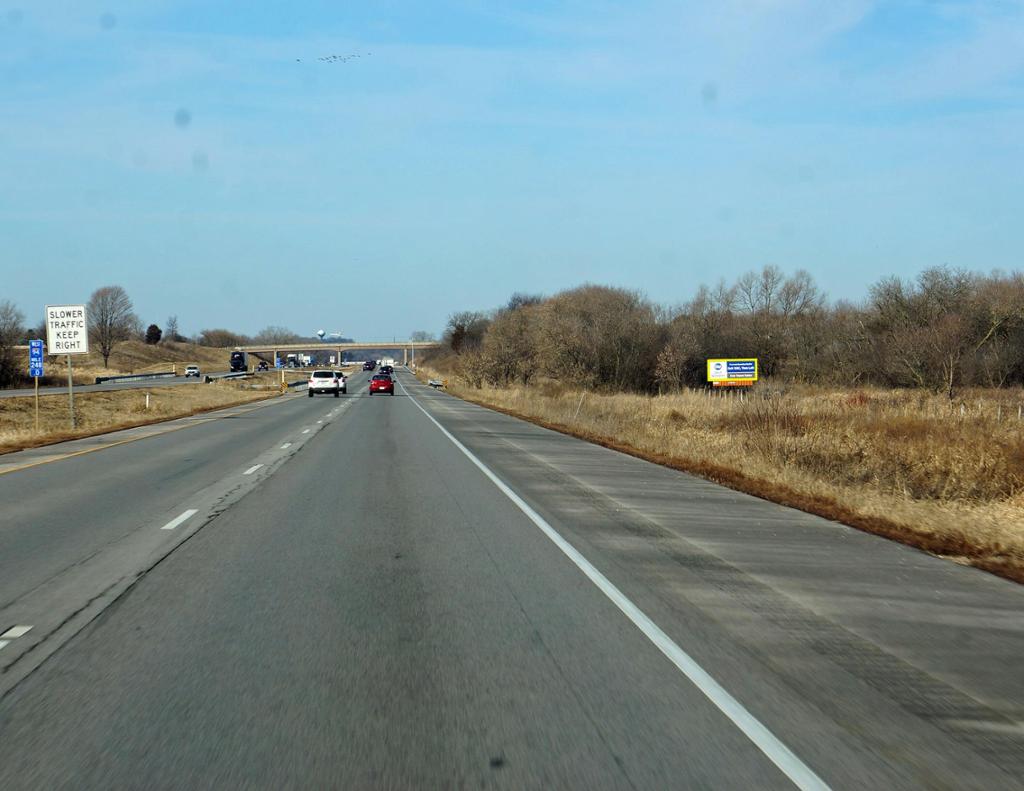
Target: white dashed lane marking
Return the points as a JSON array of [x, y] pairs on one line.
[[286, 446], [15, 631], [306, 431], [179, 519], [252, 469]]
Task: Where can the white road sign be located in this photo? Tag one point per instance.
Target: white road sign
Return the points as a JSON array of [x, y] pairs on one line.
[[67, 331]]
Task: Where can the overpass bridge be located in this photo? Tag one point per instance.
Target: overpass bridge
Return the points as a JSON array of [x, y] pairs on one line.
[[407, 348]]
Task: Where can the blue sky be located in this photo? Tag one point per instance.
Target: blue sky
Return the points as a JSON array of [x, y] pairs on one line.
[[198, 154]]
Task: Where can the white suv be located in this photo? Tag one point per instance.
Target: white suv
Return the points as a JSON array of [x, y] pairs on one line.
[[191, 370], [327, 382]]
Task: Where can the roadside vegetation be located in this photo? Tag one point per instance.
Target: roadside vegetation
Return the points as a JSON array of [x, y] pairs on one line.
[[901, 416], [128, 357], [98, 413]]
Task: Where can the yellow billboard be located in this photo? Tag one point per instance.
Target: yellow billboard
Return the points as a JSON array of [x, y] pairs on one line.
[[732, 371]]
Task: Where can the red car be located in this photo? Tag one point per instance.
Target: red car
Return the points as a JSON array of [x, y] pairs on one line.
[[382, 383]]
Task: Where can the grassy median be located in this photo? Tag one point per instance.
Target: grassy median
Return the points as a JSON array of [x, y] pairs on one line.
[[98, 413], [129, 357], [907, 465]]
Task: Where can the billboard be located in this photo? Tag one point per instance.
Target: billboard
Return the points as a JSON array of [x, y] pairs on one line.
[[727, 371]]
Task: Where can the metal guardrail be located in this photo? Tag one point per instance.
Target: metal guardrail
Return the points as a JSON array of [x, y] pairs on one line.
[[134, 377], [217, 377]]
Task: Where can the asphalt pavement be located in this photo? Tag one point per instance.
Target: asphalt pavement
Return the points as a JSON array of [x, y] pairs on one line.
[[415, 592]]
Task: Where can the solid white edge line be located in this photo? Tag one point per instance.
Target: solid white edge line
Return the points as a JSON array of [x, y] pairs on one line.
[[789, 764], [252, 469], [4, 643], [179, 519]]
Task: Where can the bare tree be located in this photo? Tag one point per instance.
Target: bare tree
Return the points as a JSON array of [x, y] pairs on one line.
[[221, 337], [111, 319], [421, 336], [943, 330], [465, 330], [508, 350], [670, 369], [275, 334], [12, 330], [521, 300], [759, 291], [171, 333]]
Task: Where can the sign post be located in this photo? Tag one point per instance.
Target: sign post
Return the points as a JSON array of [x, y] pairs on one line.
[[67, 332], [35, 369], [732, 372]]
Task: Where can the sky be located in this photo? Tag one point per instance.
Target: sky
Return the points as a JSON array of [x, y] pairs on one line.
[[198, 153]]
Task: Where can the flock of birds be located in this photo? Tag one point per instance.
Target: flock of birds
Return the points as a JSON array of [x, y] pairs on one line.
[[338, 58]]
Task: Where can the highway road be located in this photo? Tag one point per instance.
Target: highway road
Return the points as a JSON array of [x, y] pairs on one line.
[[169, 381], [415, 592]]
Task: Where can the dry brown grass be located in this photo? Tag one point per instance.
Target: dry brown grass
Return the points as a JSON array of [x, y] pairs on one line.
[[98, 413], [903, 464], [131, 357]]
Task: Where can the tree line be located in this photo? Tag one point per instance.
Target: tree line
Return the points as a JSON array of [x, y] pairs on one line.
[[943, 330]]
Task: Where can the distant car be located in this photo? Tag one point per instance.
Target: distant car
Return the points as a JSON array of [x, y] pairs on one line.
[[368, 366], [326, 382], [191, 370], [382, 383], [387, 369], [263, 366]]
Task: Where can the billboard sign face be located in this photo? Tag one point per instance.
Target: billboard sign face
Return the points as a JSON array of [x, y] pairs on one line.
[[67, 331], [732, 371]]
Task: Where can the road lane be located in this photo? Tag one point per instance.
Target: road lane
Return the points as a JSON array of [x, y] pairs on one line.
[[398, 632], [895, 646], [75, 532], [378, 614], [56, 514]]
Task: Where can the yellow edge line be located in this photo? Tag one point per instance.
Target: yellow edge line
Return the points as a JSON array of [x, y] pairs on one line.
[[125, 441]]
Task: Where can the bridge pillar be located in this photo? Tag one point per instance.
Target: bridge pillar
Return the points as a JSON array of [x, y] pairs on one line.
[[405, 355]]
